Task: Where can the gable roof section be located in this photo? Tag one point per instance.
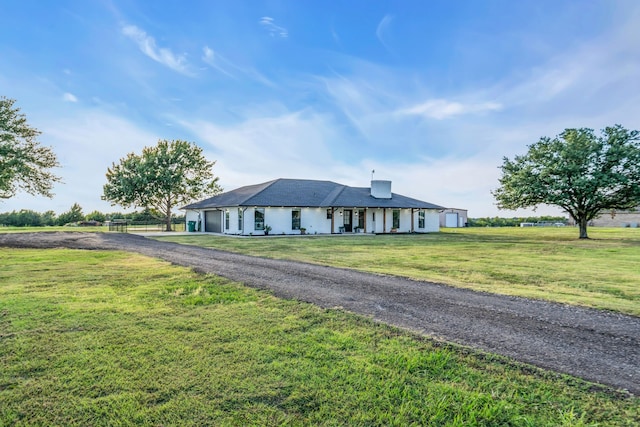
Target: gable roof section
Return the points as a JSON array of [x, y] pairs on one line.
[[306, 193]]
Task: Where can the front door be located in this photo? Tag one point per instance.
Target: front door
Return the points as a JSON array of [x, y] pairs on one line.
[[348, 221]]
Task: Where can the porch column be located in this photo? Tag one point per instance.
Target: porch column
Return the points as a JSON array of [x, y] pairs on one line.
[[412, 220], [384, 220], [365, 220], [333, 213]]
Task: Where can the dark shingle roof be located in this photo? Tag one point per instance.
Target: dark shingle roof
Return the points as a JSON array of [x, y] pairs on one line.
[[361, 197], [306, 193]]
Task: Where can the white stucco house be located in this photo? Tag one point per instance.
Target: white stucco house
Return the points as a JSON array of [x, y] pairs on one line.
[[297, 206]]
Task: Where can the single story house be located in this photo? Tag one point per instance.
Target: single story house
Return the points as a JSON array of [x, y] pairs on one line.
[[297, 206]]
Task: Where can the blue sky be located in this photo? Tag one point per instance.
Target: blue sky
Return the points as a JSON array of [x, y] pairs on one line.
[[429, 94]]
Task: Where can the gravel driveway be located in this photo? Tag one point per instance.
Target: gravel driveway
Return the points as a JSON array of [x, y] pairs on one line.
[[598, 346]]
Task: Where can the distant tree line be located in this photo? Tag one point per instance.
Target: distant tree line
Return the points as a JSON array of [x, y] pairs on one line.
[[29, 218], [513, 222]]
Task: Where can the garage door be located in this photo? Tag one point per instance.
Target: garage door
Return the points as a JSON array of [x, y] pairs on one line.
[[213, 221], [451, 220]]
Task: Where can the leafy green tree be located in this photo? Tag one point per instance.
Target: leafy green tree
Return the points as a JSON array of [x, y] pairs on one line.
[[95, 216], [29, 218], [170, 174], [115, 215], [72, 215], [578, 171], [49, 218], [24, 163], [22, 218], [147, 215]]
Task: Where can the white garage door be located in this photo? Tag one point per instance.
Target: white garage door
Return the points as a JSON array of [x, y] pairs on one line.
[[451, 220]]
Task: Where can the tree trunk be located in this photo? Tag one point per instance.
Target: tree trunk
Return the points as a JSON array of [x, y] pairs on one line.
[[167, 218], [582, 223]]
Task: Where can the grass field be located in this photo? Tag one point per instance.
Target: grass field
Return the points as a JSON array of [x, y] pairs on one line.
[[111, 338], [542, 263]]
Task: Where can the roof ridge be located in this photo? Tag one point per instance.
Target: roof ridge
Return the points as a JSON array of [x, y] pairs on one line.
[[333, 195], [264, 185]]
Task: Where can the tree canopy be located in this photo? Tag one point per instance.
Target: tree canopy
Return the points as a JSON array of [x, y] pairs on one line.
[[578, 171], [164, 176], [74, 214], [24, 163]]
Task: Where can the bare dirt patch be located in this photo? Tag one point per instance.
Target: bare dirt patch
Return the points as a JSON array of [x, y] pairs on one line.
[[599, 346]]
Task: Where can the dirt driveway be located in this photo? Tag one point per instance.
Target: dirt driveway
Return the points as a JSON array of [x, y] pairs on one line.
[[598, 346]]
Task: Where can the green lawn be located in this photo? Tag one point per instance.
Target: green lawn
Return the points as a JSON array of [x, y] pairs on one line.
[[543, 263], [112, 338]]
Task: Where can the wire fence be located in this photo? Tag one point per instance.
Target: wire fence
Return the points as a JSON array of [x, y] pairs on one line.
[[126, 226]]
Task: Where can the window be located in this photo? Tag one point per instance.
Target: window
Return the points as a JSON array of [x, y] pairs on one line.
[[421, 219], [258, 219], [361, 218], [329, 213], [226, 219], [295, 219], [239, 219], [396, 218]]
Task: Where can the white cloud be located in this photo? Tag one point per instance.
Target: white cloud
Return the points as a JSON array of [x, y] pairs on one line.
[[441, 109], [261, 148], [273, 29], [382, 28], [225, 66], [210, 58], [164, 56], [69, 97], [449, 182], [335, 36], [208, 55], [254, 74], [363, 98]]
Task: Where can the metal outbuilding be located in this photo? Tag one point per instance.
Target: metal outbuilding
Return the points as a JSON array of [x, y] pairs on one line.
[[453, 218]]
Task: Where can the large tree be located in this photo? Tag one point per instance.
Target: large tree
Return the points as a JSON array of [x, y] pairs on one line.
[[170, 174], [24, 164], [74, 214], [579, 171]]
